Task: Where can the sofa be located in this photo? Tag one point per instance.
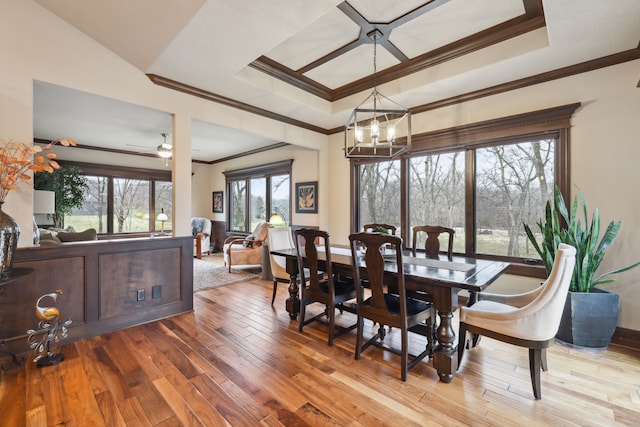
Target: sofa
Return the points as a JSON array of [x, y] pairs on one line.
[[56, 236]]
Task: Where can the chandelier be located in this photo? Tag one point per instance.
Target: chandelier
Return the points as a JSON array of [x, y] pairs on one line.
[[374, 132]]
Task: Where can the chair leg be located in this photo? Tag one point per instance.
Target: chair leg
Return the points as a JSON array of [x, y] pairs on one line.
[[405, 354], [544, 365], [275, 289], [359, 338], [462, 338], [332, 323], [303, 309], [535, 361]]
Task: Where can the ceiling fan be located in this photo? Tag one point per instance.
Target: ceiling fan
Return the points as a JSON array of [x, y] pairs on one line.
[[164, 150]]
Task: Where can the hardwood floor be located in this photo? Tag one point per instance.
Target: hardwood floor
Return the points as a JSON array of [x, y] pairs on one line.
[[238, 361]]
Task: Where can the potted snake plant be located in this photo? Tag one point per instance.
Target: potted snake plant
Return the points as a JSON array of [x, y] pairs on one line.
[[591, 314]]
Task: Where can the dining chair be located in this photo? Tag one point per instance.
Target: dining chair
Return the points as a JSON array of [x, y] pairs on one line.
[[528, 320], [372, 227], [432, 242], [320, 286], [279, 238], [391, 309]]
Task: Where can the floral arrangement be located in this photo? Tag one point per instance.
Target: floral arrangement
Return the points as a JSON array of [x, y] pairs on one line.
[[18, 158]]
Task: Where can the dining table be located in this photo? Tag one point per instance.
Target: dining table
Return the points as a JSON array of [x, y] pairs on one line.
[[443, 278]]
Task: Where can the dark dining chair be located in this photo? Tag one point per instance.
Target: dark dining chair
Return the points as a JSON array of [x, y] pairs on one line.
[[320, 286], [529, 320], [432, 243], [391, 229], [392, 309]]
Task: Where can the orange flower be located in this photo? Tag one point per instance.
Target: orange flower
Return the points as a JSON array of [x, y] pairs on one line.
[[17, 158]]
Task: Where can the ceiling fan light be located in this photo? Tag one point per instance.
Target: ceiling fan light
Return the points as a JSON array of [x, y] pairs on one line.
[[164, 150]]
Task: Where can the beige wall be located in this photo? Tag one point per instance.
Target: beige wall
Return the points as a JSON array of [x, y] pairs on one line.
[[35, 45]]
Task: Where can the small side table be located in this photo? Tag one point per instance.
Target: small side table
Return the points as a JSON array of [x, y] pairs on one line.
[[16, 273]]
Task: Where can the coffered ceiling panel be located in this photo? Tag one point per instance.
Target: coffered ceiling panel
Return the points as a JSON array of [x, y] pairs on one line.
[[310, 62]]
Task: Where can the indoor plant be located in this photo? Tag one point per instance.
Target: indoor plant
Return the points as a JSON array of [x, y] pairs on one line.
[[69, 184], [589, 254], [17, 160]]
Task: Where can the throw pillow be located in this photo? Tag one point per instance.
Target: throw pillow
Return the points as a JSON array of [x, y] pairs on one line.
[[88, 234], [247, 242]]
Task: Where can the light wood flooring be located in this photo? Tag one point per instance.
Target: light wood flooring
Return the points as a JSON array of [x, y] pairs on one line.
[[236, 360]]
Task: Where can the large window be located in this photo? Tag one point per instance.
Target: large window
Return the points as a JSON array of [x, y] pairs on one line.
[[122, 200], [255, 194], [380, 193], [483, 180], [436, 195]]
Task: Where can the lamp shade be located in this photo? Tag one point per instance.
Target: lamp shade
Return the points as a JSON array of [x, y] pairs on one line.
[[44, 202], [162, 216], [276, 220]]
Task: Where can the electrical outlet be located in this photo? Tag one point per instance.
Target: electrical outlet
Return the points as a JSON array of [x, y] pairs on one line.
[[156, 291], [140, 296]]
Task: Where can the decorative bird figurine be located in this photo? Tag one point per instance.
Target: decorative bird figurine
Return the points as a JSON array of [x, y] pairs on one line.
[[48, 313]]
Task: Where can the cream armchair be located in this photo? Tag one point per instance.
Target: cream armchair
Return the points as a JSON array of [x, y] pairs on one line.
[[247, 250], [201, 231], [279, 238], [528, 320]]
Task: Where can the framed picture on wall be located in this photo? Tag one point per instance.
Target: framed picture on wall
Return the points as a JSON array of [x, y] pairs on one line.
[[307, 197], [218, 202]]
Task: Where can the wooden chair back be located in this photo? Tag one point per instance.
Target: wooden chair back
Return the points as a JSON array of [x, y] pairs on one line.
[[432, 243], [307, 241], [377, 309], [371, 227]]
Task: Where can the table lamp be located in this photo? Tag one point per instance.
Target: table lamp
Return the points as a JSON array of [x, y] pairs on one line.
[[276, 220], [162, 217], [44, 203]]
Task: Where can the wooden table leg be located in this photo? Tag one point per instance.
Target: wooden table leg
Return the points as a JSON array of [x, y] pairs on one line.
[[445, 358], [293, 302]]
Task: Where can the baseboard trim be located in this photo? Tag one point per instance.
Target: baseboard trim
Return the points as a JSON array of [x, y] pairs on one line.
[[627, 338]]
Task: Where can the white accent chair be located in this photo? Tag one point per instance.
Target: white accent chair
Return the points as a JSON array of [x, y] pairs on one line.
[[279, 238], [201, 231], [528, 320]]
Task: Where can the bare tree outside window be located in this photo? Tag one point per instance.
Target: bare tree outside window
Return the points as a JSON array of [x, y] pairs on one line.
[[380, 193], [92, 213], [513, 184], [436, 194], [237, 204], [131, 205]]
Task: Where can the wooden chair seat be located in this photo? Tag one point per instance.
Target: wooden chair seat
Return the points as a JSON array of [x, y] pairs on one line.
[[384, 308]]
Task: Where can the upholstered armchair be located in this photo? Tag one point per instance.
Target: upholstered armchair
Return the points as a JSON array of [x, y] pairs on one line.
[[201, 231], [528, 320], [245, 250]]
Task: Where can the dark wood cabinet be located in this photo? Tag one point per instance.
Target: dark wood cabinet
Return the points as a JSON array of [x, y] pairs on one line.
[[106, 285]]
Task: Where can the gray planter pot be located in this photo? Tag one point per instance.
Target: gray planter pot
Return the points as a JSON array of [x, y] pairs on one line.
[[589, 319]]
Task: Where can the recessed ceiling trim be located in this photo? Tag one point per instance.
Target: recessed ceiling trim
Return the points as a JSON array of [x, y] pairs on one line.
[[583, 67], [515, 27], [210, 96], [250, 152]]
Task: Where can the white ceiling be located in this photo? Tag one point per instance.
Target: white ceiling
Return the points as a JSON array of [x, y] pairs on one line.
[[209, 44]]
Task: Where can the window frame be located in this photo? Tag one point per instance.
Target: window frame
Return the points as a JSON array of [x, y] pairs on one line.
[[254, 172], [551, 122], [111, 172]]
